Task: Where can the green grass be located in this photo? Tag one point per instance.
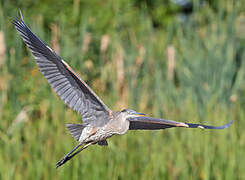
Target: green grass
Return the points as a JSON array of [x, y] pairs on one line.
[[206, 85]]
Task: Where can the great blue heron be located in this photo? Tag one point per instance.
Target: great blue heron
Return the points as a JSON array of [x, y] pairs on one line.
[[99, 122]]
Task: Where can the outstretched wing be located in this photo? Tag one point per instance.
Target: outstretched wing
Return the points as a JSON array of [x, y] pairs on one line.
[[71, 89], [149, 123]]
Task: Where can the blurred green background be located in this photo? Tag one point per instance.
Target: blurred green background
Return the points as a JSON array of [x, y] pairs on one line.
[[176, 59]]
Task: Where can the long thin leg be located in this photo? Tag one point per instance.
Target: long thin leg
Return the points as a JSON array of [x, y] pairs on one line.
[[78, 151], [72, 150], [65, 158], [68, 156]]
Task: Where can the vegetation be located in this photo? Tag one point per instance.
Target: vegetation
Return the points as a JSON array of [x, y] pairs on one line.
[[150, 57]]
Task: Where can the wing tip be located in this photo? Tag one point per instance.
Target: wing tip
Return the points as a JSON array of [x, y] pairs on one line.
[[18, 19], [228, 124], [224, 126], [21, 16], [209, 127]]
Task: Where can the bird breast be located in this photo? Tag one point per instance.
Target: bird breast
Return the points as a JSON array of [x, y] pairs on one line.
[[117, 125]]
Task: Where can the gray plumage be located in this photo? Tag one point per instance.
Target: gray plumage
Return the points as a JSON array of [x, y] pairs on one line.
[[99, 122], [75, 130], [67, 84]]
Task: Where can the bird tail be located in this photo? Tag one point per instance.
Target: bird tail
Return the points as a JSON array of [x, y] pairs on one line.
[[75, 130]]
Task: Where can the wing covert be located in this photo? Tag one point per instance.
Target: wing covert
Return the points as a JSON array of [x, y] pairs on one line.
[[67, 84]]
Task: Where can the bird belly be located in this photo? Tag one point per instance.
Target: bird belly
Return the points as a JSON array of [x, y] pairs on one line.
[[94, 134]]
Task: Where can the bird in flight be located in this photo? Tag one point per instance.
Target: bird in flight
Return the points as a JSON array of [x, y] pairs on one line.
[[98, 122]]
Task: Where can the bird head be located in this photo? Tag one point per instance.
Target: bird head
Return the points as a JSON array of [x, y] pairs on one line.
[[131, 113]]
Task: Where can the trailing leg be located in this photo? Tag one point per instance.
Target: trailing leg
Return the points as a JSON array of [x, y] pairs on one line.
[[69, 155]]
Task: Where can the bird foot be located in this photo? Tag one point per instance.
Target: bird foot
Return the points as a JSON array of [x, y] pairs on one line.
[[62, 161]]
